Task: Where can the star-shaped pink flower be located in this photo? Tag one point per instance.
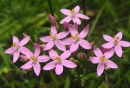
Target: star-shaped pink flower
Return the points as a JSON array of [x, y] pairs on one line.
[[54, 39], [17, 47], [73, 15], [115, 43], [77, 39], [102, 60], [34, 60], [59, 61]]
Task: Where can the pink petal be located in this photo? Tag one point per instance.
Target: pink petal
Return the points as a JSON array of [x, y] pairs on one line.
[[67, 19], [75, 25], [84, 44], [69, 64], [60, 45], [82, 16], [124, 43], [15, 56], [65, 11], [49, 45], [118, 50], [84, 32], [37, 49], [67, 41], [73, 30], [109, 53], [53, 53], [43, 58], [94, 60], [15, 39], [97, 52], [74, 47], [62, 34], [119, 34], [77, 20], [23, 50], [65, 54], [107, 38], [49, 66], [59, 69], [24, 41], [76, 9], [10, 50], [108, 45], [53, 30], [45, 38], [100, 69], [37, 68], [111, 64], [28, 65]]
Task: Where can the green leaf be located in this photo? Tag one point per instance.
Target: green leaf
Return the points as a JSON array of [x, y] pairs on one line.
[[67, 82]]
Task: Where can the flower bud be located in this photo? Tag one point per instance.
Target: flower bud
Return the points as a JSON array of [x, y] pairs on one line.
[[92, 44], [56, 25], [83, 56], [42, 46], [23, 58], [107, 68], [66, 26], [52, 19]]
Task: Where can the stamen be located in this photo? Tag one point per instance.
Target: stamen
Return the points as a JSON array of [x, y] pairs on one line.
[[75, 37], [103, 59], [116, 40], [14, 44], [54, 37], [33, 58], [56, 59], [72, 11]]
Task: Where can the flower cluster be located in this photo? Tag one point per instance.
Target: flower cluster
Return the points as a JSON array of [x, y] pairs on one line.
[[67, 42]]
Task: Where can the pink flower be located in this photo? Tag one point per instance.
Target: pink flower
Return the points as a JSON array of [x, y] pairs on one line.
[[54, 38], [115, 43], [73, 15], [77, 39], [59, 61], [17, 47], [102, 60], [34, 60]]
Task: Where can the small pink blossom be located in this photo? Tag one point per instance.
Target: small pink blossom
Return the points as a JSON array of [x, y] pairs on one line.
[[54, 39], [73, 15], [59, 61], [34, 60], [77, 39], [102, 60], [17, 47], [115, 43]]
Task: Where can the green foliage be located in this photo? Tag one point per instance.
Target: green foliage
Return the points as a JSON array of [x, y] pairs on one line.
[[30, 17]]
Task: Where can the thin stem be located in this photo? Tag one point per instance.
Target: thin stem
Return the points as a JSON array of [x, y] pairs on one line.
[[84, 10], [49, 2]]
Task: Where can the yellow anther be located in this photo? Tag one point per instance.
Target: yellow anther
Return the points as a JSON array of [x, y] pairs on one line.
[[116, 39], [50, 33], [103, 59], [75, 36], [54, 37], [33, 58], [14, 44], [56, 59], [72, 11]]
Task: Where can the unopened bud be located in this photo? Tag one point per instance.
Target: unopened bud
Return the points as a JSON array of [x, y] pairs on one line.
[[25, 35], [107, 68], [23, 58], [92, 44], [42, 46], [66, 26], [52, 19], [57, 25], [72, 59], [83, 56]]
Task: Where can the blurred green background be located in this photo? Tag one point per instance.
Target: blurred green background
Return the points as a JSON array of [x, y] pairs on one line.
[[30, 17]]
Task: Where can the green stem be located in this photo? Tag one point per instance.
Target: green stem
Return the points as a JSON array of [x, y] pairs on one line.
[[54, 79]]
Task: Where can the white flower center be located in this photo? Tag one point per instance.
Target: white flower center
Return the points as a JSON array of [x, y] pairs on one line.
[[72, 13], [54, 37]]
